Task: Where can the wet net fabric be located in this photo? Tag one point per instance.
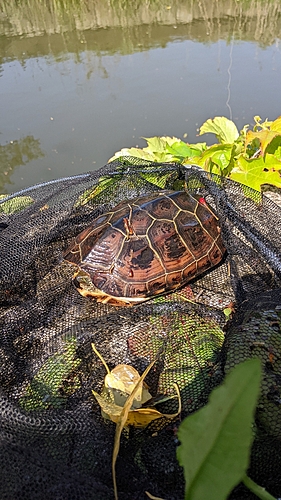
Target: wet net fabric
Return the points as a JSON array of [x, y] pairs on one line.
[[55, 444]]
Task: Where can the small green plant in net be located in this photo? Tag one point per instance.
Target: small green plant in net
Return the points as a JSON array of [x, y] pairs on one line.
[[55, 381], [191, 345], [146, 170], [15, 204]]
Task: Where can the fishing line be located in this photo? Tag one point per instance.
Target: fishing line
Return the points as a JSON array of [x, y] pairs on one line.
[[229, 79]]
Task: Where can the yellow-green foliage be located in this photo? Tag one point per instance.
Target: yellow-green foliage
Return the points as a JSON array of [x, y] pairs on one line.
[[251, 157]]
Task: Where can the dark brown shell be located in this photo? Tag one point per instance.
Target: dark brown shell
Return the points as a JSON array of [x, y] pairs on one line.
[[146, 246]]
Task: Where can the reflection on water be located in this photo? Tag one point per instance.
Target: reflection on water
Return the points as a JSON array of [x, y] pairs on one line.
[[88, 78], [244, 19], [17, 153]]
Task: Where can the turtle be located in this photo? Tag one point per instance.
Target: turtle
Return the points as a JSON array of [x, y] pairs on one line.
[[145, 247]]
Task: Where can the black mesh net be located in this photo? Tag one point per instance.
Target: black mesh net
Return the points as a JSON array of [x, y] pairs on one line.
[[55, 444]]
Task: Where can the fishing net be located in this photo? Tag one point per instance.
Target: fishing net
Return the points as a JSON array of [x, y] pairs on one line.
[[55, 442]]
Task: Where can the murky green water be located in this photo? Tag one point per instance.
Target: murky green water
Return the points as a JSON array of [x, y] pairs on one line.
[[81, 80]]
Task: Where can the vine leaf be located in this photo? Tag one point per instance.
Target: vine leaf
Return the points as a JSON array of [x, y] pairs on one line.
[[263, 136], [216, 158], [224, 129], [276, 125], [215, 441], [156, 144], [134, 152], [256, 172], [181, 150], [156, 150]]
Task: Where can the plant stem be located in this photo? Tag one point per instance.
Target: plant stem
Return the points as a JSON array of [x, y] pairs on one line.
[[256, 489]]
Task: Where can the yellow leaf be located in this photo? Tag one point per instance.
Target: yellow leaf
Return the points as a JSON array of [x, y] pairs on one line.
[[124, 379], [153, 497], [122, 423], [276, 125], [264, 137], [142, 417], [110, 410], [118, 385]]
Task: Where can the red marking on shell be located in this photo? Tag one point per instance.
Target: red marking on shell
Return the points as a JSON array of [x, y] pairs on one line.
[[202, 200]]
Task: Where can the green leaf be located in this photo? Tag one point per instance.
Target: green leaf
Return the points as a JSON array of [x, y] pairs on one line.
[[216, 158], [54, 381], [179, 149], [15, 204], [199, 146], [134, 152], [274, 147], [155, 151], [159, 180], [182, 150], [162, 157], [156, 144], [94, 192], [163, 149], [228, 311], [216, 440], [254, 173], [224, 129], [171, 140], [277, 152]]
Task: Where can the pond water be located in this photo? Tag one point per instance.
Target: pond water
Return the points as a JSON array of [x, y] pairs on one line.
[[81, 80]]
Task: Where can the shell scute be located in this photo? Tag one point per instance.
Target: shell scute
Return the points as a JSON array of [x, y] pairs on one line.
[[137, 290], [140, 221], [103, 253], [195, 235], [184, 202], [137, 262], [161, 208], [190, 271], [208, 222]]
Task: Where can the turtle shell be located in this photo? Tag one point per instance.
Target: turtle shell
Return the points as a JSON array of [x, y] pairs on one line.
[[145, 247]]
